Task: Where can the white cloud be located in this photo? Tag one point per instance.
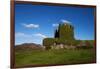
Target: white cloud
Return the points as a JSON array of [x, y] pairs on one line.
[[20, 34], [31, 25], [21, 37], [55, 25], [40, 35], [65, 21]]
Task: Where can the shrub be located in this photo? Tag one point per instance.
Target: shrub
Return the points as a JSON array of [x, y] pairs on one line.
[[48, 42]]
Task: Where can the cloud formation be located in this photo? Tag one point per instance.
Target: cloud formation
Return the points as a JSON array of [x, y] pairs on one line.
[[31, 25], [55, 25], [65, 21], [20, 34], [40, 35]]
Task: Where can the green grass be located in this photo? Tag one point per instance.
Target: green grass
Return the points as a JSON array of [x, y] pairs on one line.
[[63, 56]]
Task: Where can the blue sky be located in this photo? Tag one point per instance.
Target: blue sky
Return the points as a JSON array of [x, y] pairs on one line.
[[33, 23]]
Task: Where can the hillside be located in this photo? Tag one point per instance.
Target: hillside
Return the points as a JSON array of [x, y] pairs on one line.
[[28, 46]]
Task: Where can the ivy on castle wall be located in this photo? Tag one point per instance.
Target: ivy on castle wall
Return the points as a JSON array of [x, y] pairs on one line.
[[64, 35], [66, 32]]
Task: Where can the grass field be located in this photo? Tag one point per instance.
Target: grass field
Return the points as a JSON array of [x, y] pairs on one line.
[[47, 57]]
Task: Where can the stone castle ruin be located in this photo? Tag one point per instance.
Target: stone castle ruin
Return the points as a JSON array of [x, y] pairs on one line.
[[63, 38]]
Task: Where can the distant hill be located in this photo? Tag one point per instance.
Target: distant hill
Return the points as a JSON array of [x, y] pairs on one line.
[[28, 46]]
